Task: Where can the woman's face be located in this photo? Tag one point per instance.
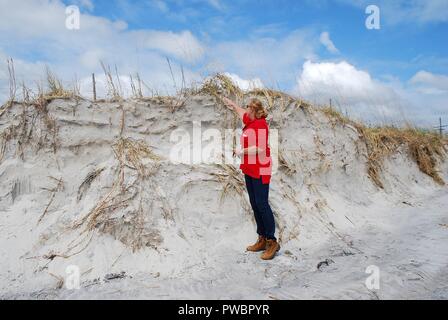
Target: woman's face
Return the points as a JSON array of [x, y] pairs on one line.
[[250, 112]]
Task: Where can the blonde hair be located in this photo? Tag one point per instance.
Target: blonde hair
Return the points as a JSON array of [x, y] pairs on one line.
[[257, 107]]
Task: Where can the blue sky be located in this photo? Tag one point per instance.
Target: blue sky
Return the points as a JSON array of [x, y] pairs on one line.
[[316, 49], [398, 48]]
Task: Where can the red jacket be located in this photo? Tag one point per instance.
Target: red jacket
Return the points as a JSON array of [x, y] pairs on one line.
[[256, 133]]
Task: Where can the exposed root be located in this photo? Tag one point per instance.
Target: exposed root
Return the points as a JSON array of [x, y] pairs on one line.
[[137, 156], [285, 163], [231, 178], [53, 191], [85, 185], [133, 155], [132, 232], [60, 280], [26, 132]]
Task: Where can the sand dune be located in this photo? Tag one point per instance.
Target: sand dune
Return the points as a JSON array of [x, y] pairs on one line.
[[91, 185]]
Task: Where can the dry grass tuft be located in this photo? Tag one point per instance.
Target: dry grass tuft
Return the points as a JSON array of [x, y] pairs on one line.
[[424, 147], [131, 231], [35, 128], [5, 137], [113, 87], [285, 163], [231, 178], [335, 116], [135, 154], [136, 86], [173, 103], [220, 85], [303, 105], [12, 86], [271, 96], [55, 88]]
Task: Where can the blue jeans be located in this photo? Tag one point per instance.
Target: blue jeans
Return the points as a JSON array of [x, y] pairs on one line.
[[258, 196]]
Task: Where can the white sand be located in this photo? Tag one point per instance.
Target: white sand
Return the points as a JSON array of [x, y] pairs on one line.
[[194, 241]]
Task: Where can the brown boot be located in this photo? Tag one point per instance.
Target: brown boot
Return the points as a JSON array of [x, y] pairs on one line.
[[271, 249], [258, 246]]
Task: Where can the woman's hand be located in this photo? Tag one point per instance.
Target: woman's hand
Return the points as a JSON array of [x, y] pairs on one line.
[[233, 106], [249, 151], [238, 152], [228, 103]]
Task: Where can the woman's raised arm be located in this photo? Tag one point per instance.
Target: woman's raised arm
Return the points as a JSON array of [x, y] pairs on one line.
[[233, 106]]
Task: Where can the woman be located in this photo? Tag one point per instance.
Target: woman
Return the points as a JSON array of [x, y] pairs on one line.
[[256, 166]]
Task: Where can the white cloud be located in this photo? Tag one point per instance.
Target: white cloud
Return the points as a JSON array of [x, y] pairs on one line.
[[420, 100], [327, 42], [37, 27], [428, 93], [41, 21], [124, 85], [430, 83], [30, 73], [339, 80], [90, 58], [349, 88], [270, 59], [183, 45], [245, 84]]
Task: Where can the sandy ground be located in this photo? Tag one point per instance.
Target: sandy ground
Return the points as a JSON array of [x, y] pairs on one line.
[[409, 248], [191, 235]]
